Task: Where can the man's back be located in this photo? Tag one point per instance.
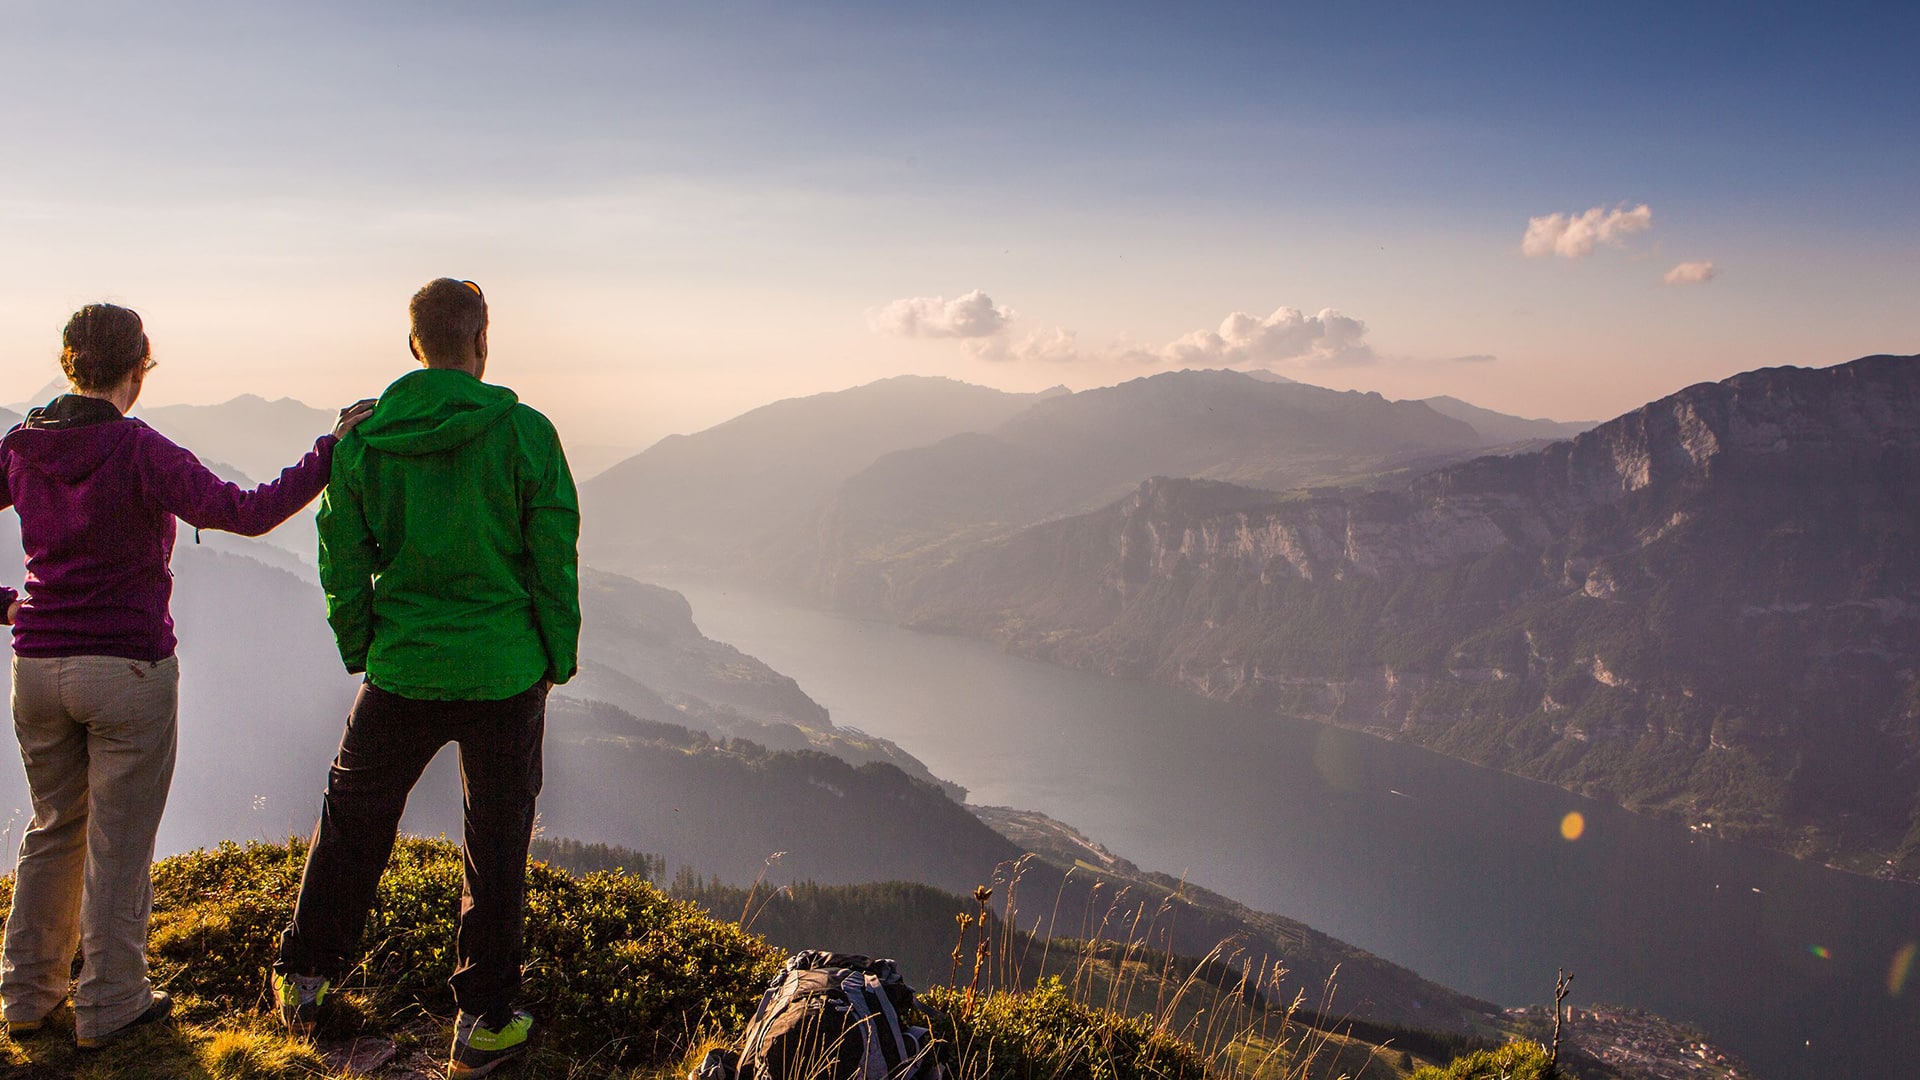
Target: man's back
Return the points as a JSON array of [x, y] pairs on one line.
[[448, 551], [448, 543]]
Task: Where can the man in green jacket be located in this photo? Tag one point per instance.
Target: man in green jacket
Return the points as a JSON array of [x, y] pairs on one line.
[[448, 539]]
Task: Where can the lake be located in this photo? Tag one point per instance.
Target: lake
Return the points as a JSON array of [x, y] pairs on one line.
[[1461, 873]]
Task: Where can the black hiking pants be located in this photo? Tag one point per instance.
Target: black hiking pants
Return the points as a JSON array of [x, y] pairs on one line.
[[388, 743]]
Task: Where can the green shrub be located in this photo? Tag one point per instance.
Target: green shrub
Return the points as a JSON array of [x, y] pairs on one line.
[[1519, 1060], [1043, 1034]]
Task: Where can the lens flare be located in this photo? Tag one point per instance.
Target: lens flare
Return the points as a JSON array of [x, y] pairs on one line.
[[1573, 825], [1901, 967], [1820, 952]]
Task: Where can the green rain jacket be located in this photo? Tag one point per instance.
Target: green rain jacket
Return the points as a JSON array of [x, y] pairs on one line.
[[449, 542]]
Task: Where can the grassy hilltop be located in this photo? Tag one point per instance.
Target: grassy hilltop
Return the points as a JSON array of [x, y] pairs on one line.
[[631, 984]]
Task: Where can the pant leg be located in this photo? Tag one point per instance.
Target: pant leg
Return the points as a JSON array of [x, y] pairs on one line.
[[131, 710], [500, 777], [43, 930], [388, 743]]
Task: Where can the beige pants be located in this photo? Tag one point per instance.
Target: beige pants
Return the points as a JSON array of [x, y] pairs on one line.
[[97, 736]]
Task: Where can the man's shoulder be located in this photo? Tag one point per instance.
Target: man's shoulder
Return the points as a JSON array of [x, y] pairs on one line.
[[348, 455], [527, 418], [533, 433]]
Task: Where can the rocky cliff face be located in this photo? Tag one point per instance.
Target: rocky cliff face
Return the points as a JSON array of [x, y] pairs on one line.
[[1709, 606]]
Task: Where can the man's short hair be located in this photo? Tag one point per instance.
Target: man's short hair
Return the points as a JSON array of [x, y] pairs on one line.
[[448, 314]]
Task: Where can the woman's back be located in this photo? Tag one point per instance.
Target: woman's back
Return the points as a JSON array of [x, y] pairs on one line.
[[97, 493], [96, 544]]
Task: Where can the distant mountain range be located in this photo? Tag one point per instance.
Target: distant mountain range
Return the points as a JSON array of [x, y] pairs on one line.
[[1499, 429], [916, 507], [249, 438], [1708, 607], [836, 495], [707, 501], [254, 435], [1495, 428], [54, 388]]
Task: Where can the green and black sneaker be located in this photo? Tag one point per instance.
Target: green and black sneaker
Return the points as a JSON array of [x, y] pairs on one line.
[[299, 998], [479, 1049]]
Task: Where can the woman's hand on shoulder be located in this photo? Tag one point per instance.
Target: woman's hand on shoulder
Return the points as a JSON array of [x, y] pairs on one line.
[[351, 416]]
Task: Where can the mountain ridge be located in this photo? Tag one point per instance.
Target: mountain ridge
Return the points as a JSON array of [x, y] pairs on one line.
[[1069, 454], [258, 436], [705, 501], [1707, 607], [1499, 428]]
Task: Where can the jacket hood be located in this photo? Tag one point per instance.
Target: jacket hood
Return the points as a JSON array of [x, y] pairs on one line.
[[434, 409], [67, 440]]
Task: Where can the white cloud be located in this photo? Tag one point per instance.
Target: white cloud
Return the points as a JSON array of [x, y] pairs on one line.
[[1690, 273], [1573, 236], [1055, 346], [973, 315], [1473, 358], [1288, 336]]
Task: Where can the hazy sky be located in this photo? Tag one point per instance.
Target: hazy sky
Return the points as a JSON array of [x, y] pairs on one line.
[[681, 212]]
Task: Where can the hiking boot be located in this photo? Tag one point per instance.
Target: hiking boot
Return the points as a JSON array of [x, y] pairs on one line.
[[299, 998], [479, 1049], [158, 1013]]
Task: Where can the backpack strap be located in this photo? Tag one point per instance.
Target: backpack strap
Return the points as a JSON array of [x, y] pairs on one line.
[[772, 1003], [893, 1039]]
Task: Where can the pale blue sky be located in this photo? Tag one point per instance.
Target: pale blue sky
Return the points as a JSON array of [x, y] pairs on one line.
[[681, 212]]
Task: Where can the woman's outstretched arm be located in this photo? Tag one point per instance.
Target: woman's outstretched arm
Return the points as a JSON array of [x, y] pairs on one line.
[[179, 484]]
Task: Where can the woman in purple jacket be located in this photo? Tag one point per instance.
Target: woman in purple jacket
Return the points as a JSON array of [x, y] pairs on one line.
[[95, 681]]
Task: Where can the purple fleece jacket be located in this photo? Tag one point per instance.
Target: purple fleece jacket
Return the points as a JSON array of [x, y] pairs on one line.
[[97, 501]]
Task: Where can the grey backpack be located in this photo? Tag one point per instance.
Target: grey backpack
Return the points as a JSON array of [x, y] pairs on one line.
[[831, 1016]]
